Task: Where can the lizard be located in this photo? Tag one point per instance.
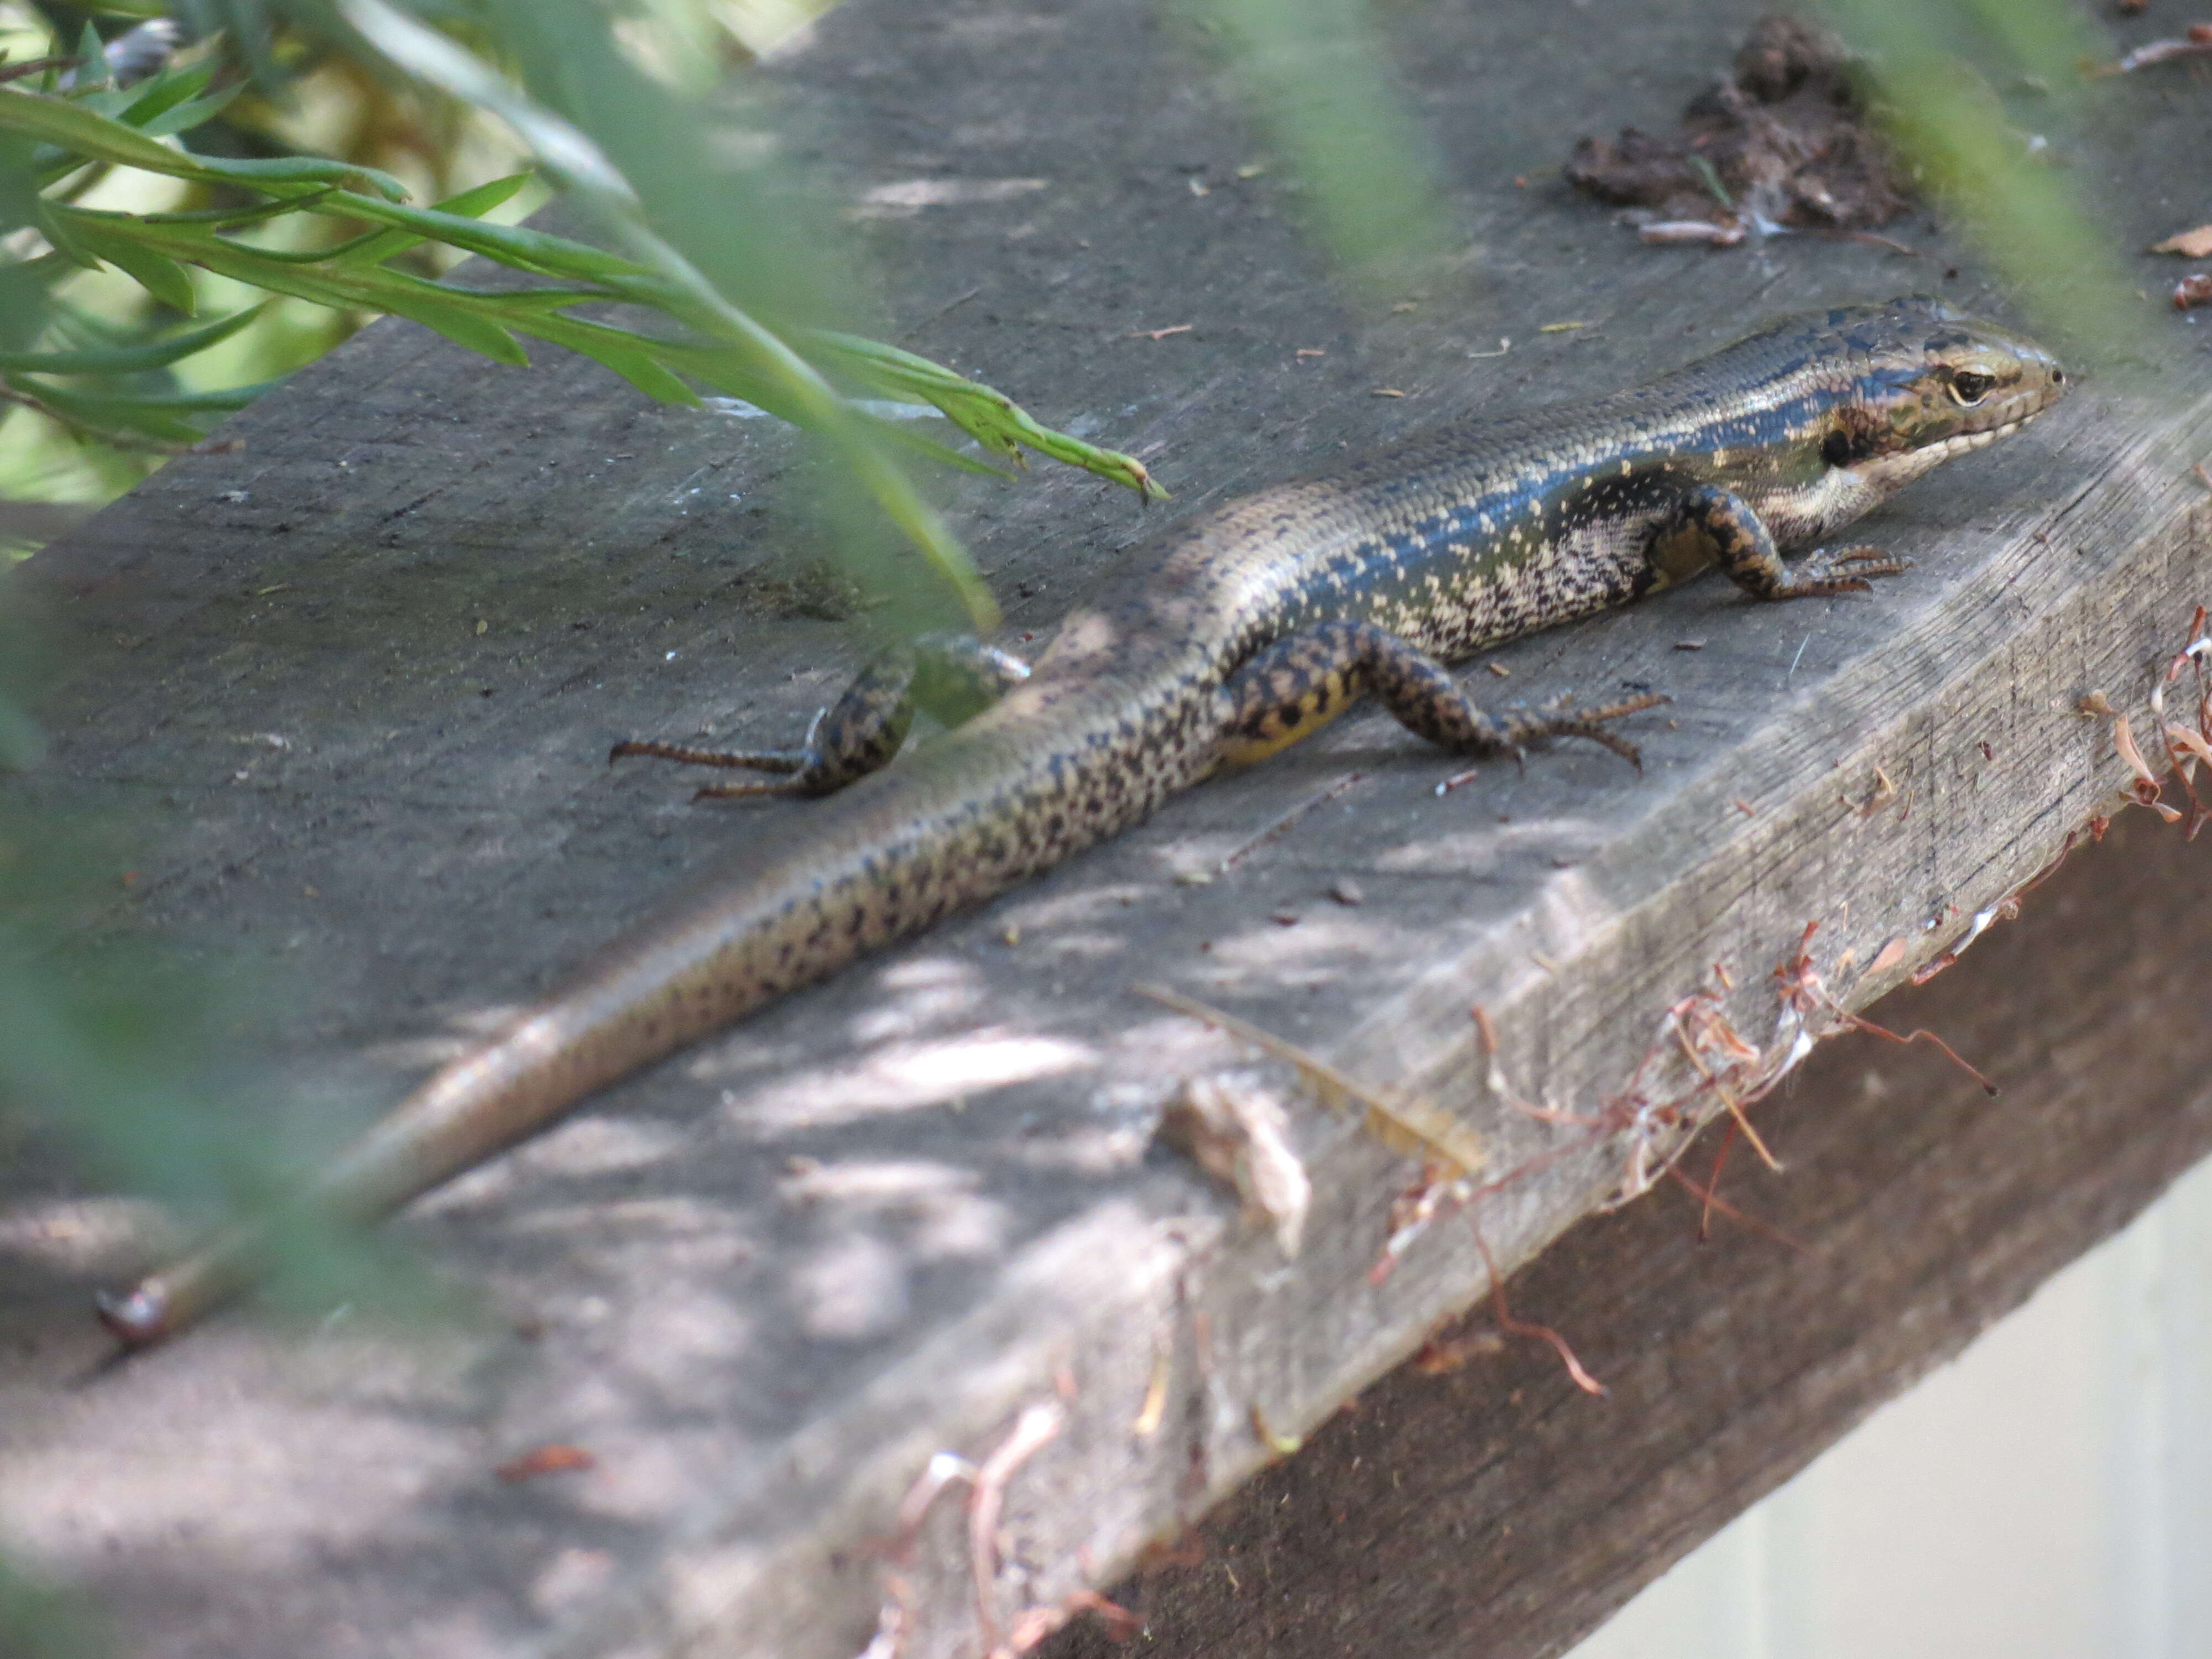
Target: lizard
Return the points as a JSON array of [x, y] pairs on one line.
[[1219, 643]]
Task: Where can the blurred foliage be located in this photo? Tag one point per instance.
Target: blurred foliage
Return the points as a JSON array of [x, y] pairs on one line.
[[728, 306], [1317, 77], [1986, 98], [41, 1623]]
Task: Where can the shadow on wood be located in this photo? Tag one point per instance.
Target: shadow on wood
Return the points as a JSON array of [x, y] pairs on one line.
[[1497, 1510]]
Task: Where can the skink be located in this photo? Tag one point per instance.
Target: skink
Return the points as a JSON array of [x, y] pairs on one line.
[[1230, 637]]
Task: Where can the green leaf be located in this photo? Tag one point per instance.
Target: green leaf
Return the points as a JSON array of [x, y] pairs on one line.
[[293, 170], [477, 333], [514, 245], [173, 89], [648, 376], [194, 112], [80, 131], [315, 255], [158, 274], [468, 204], [902, 433], [106, 413], [476, 202], [131, 360], [221, 401], [225, 218], [68, 246]]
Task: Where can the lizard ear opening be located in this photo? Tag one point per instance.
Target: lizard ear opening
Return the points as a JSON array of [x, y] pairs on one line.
[[1836, 449]]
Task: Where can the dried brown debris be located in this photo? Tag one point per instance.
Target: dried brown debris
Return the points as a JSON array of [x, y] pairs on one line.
[[1403, 1124], [1784, 141], [1037, 1427], [2195, 289], [545, 1460], [1238, 1133], [2186, 740], [2197, 40], [2189, 244]]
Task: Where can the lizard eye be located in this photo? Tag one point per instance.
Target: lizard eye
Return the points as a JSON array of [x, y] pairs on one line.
[[1968, 388]]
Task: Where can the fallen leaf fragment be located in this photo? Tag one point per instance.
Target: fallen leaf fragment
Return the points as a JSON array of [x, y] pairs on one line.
[[2193, 290], [1440, 1356], [1691, 230], [2182, 737], [545, 1460], [1404, 1123], [2197, 39], [1239, 1133], [2123, 745], [1887, 957], [2189, 244], [1282, 1445], [1155, 1407], [2146, 788]]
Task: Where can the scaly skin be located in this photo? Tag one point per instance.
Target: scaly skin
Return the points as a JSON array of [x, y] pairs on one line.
[[1232, 635]]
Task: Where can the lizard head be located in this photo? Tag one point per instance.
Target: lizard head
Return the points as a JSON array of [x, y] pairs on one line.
[[1928, 382]]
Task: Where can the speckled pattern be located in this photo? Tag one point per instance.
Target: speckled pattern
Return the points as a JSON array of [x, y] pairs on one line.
[[1358, 578]]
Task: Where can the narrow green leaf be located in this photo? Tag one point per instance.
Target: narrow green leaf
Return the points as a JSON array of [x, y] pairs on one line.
[[648, 376], [514, 246], [83, 132], [102, 414], [194, 112], [315, 255], [991, 418], [173, 90], [902, 433], [222, 400], [477, 333], [476, 202], [80, 131], [131, 360], [295, 170], [158, 274], [91, 54], [543, 302], [68, 246], [227, 217]]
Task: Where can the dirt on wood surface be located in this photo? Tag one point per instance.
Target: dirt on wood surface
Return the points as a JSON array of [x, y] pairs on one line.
[[1785, 136]]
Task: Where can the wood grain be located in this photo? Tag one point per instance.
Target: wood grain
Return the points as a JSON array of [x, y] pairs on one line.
[[765, 1284], [1493, 1508]]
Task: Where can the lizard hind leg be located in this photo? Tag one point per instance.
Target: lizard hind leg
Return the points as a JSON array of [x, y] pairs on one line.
[[1296, 685], [953, 677], [1745, 550]]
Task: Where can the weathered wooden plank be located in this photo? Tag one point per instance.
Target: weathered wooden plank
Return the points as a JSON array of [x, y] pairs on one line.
[[1494, 1509], [767, 1282]]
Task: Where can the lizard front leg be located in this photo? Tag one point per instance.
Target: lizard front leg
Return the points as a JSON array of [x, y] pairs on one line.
[[952, 677], [1296, 685], [1726, 529]]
